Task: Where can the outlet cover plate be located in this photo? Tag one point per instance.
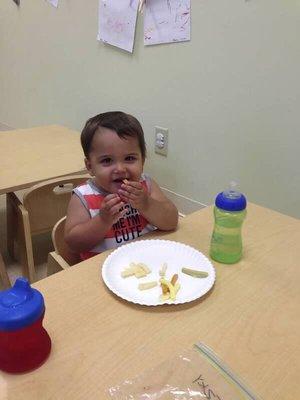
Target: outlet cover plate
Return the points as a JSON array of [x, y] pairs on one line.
[[161, 140]]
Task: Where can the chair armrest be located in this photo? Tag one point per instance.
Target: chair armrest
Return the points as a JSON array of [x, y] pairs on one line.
[[55, 263]]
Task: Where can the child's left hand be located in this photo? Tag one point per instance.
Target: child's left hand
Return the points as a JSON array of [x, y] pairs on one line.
[[133, 192]]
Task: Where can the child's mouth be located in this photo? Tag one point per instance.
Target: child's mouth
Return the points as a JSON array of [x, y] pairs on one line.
[[118, 180]]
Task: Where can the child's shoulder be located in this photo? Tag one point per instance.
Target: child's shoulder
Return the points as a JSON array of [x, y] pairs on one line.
[[83, 188], [144, 177], [89, 194], [146, 181], [88, 188]]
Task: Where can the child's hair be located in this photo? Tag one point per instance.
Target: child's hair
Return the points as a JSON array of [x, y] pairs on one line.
[[123, 124]]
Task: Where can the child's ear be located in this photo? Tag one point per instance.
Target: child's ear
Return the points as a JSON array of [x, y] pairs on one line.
[[88, 166]]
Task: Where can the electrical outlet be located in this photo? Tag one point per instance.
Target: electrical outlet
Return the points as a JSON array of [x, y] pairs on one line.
[[161, 140]]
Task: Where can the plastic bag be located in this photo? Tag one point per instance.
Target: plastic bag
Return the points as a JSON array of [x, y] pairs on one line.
[[196, 374]]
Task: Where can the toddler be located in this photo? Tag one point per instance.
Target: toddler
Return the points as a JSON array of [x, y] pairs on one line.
[[119, 203]]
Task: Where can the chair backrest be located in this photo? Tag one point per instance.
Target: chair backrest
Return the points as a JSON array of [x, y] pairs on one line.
[[60, 246], [4, 279], [47, 202]]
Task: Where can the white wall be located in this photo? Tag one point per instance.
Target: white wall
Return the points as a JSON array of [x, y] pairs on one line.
[[230, 97]]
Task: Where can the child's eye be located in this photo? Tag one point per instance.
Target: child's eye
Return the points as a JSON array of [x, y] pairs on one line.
[[106, 161], [130, 158]]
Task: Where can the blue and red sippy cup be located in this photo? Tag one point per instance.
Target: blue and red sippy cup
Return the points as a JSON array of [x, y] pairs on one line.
[[24, 343]]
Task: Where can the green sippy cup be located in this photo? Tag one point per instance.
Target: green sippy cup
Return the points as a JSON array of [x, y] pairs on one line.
[[229, 212]]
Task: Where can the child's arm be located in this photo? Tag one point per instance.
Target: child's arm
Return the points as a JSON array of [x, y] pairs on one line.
[[82, 232], [154, 206]]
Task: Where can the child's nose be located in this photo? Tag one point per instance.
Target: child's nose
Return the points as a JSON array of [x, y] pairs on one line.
[[120, 167]]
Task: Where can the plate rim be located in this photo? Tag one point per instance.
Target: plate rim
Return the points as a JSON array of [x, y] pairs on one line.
[[167, 302]]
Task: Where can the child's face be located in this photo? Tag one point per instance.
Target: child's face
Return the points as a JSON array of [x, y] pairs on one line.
[[113, 159]]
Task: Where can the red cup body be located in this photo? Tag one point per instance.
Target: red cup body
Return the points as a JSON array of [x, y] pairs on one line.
[[24, 349]]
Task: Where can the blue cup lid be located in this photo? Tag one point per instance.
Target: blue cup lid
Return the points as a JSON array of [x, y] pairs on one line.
[[231, 201], [20, 306]]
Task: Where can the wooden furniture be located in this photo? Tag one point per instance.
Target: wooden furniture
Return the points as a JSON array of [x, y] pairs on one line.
[[29, 156], [43, 205], [4, 279], [62, 257], [250, 318]]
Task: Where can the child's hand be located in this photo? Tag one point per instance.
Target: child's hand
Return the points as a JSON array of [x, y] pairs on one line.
[[133, 192], [110, 209]]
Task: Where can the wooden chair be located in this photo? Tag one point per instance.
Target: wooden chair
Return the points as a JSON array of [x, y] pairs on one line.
[[43, 205], [62, 257], [4, 279]]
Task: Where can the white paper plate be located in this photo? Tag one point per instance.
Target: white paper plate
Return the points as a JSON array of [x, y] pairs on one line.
[[154, 253]]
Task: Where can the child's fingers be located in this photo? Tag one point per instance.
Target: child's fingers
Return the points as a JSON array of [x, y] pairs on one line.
[[131, 184], [112, 205], [115, 210], [111, 199], [123, 198], [130, 197], [124, 194], [130, 193]]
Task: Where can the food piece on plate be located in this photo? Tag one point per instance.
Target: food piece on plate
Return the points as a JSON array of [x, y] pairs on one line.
[[133, 265], [127, 272], [147, 285], [163, 269], [164, 297], [139, 270], [195, 273], [174, 279], [171, 289], [145, 268], [164, 288], [176, 287], [140, 273]]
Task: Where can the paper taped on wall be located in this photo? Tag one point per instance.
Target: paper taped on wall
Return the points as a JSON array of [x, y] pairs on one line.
[[117, 21], [167, 21]]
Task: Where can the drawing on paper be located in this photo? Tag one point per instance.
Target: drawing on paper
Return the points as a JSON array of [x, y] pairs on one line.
[[117, 21], [167, 21], [54, 3]]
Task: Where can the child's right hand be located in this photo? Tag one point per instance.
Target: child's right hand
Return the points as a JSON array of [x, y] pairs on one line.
[[110, 209]]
